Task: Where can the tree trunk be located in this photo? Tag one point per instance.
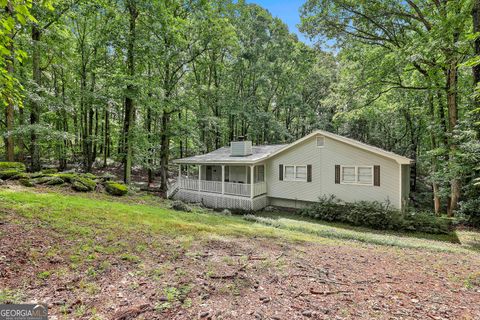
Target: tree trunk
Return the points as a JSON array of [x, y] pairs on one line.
[[9, 112], [476, 29], [129, 102], [164, 151], [35, 107], [451, 87], [435, 187], [106, 137]]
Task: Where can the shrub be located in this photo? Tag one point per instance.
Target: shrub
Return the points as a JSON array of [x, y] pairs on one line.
[[18, 166], [116, 188], [180, 206], [375, 215]]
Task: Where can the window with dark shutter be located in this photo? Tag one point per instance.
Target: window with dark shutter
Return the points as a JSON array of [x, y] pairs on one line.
[[309, 173], [280, 172], [337, 174], [376, 176]]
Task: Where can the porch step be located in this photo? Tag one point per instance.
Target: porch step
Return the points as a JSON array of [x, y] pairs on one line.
[[172, 190]]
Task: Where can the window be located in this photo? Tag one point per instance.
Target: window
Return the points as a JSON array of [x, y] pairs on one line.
[[320, 141], [301, 173], [295, 173], [289, 173], [357, 175], [365, 175], [348, 174]]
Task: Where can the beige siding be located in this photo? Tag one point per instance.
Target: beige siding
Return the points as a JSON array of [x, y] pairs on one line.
[[323, 161], [405, 182]]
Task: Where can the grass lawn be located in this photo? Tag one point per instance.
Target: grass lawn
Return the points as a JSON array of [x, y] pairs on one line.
[[94, 256]]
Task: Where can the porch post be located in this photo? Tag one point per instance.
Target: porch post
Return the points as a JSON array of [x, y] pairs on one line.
[[199, 176], [223, 179], [252, 172], [179, 173]]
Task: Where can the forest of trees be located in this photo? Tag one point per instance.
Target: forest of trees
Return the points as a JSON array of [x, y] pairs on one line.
[[140, 82]]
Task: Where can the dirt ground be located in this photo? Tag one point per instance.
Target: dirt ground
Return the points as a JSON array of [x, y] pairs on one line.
[[226, 278]]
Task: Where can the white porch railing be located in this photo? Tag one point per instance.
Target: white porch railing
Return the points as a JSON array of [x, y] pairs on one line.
[[189, 184], [230, 188], [238, 189], [211, 186], [259, 188]]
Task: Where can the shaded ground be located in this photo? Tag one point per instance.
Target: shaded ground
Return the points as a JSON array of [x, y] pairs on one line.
[[133, 269]]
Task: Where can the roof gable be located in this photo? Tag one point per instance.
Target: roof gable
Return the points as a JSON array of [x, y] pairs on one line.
[[354, 143]]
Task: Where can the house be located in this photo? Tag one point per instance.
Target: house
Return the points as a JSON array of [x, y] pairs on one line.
[[249, 177]]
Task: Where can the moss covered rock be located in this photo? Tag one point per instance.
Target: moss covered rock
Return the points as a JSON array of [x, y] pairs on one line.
[[83, 184], [20, 175], [66, 176], [89, 175], [9, 174], [54, 181], [17, 166], [49, 171], [48, 180], [116, 188], [108, 177], [26, 182]]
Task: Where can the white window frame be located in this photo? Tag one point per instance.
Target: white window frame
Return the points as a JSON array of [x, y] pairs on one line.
[[316, 141], [295, 173], [356, 182]]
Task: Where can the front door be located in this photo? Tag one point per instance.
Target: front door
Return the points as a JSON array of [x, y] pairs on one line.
[[208, 176]]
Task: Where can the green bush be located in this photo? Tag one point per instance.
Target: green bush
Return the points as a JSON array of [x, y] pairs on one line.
[[18, 166], [116, 188], [375, 215]]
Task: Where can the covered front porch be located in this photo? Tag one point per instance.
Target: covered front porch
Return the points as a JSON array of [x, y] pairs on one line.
[[223, 179]]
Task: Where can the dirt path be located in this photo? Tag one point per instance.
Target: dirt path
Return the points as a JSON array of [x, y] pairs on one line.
[[233, 278]]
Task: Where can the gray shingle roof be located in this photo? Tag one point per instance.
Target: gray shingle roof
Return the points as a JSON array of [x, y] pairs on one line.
[[222, 155]]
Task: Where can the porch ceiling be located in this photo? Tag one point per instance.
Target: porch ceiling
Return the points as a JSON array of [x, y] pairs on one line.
[[223, 156]]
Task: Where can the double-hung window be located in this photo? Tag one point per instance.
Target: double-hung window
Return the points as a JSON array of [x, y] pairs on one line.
[[362, 175], [295, 173]]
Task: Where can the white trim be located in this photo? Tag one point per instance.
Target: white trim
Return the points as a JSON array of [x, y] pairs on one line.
[[295, 172], [356, 183]]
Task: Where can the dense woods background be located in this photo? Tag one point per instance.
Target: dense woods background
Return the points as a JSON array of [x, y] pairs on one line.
[[139, 82]]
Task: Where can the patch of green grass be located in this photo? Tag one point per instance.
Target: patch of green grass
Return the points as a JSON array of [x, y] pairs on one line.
[[130, 257], [288, 221], [10, 296], [124, 225], [44, 275]]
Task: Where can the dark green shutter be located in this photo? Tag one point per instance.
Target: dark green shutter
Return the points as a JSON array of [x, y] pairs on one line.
[[309, 173], [376, 176], [337, 174], [280, 172]]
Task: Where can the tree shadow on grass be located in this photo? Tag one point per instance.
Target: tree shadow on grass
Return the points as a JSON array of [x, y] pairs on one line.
[[450, 238]]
